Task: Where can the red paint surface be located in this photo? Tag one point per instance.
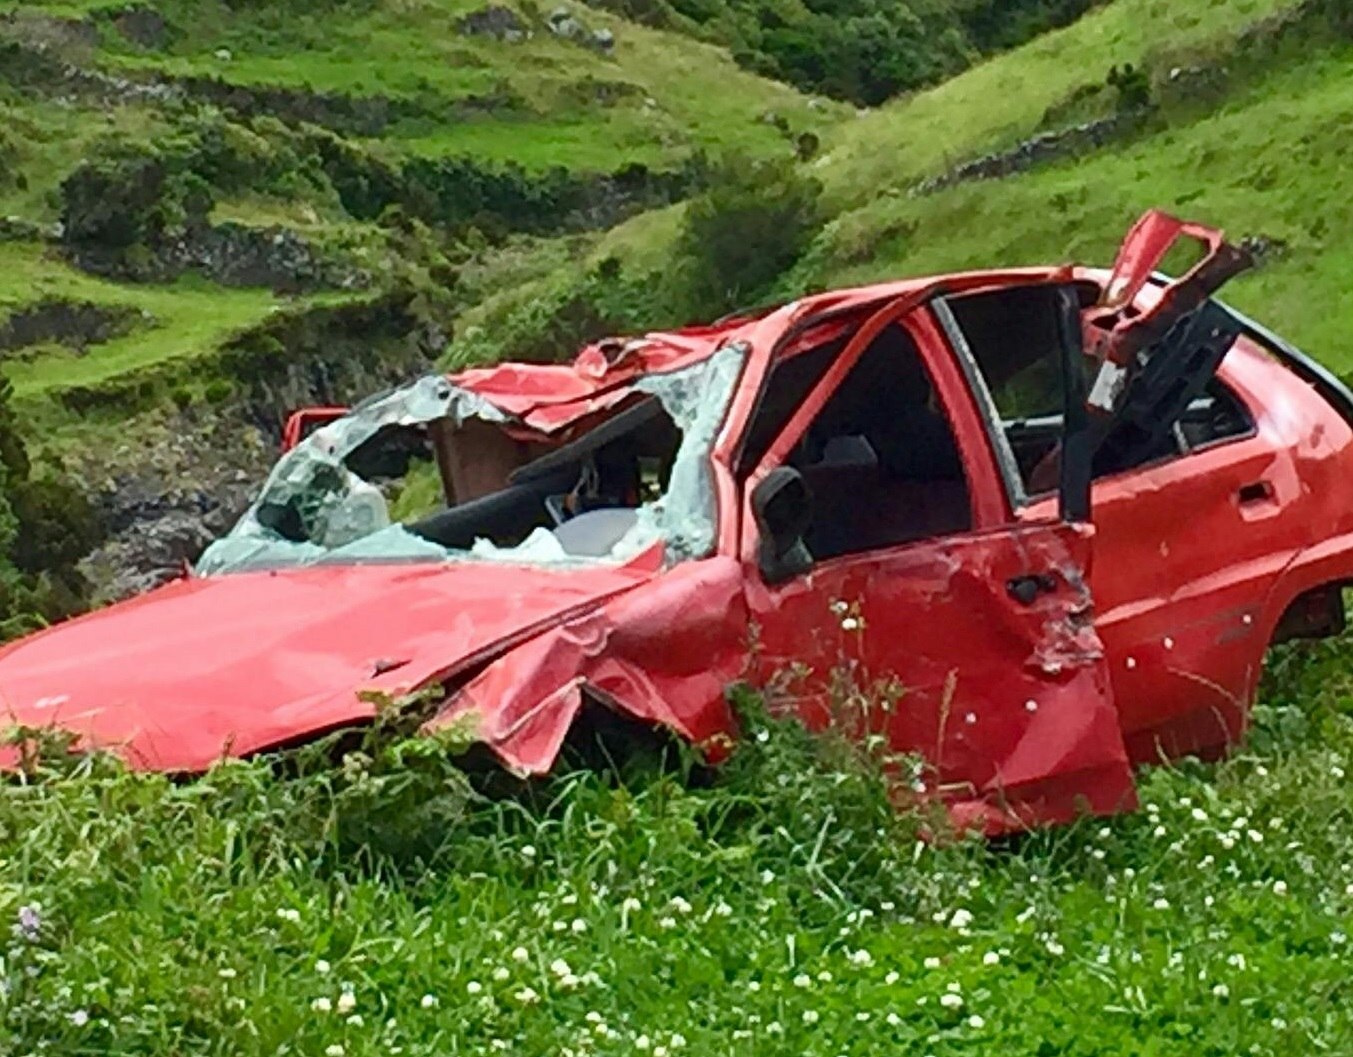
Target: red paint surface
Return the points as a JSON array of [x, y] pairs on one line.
[[1150, 645]]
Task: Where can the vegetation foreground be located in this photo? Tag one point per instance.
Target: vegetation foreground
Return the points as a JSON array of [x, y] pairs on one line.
[[379, 906]]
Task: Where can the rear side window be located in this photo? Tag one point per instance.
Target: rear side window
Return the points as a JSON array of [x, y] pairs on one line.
[[1012, 335]]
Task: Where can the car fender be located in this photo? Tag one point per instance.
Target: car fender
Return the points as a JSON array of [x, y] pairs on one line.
[[662, 654]]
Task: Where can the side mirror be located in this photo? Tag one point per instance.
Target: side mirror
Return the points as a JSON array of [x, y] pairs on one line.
[[782, 505]]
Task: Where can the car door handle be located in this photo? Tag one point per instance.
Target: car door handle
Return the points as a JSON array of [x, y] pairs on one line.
[[1255, 492], [1026, 589]]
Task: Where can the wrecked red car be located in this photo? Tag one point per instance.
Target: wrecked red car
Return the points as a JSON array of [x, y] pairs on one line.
[[1063, 511]]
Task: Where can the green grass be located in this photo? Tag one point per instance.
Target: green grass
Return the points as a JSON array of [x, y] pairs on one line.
[[412, 51], [189, 317], [1275, 160], [784, 909]]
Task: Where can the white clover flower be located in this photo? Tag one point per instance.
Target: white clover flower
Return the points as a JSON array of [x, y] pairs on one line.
[[1227, 841], [1280, 888], [1104, 833], [803, 980], [521, 955], [1198, 815], [289, 914], [892, 977], [667, 923], [1256, 836], [430, 1001], [767, 876], [810, 1016], [1278, 1023], [631, 905], [991, 958], [861, 958], [1159, 831], [1236, 960], [1054, 948], [680, 905], [643, 1042], [568, 981], [226, 973], [347, 1002], [1161, 904], [1221, 991], [862, 1016], [893, 1020], [322, 1005], [356, 1020], [754, 986], [949, 1000], [932, 962], [659, 1051], [322, 967], [79, 1018], [560, 967], [526, 996], [961, 919], [722, 909], [473, 987], [677, 1040], [1338, 938], [577, 926], [501, 974], [976, 1022], [824, 977], [334, 1050], [528, 851]]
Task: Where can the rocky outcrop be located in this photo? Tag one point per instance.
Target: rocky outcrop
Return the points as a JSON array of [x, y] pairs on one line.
[[564, 24], [495, 21], [143, 26], [75, 324], [1038, 150], [230, 254]]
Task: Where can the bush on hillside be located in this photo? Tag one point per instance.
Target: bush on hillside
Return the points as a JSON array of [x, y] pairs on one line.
[[748, 229]]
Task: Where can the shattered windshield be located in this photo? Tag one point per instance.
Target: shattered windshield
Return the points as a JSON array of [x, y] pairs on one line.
[[350, 492]]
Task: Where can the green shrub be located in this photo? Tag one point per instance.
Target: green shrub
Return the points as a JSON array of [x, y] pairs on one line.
[[752, 225]]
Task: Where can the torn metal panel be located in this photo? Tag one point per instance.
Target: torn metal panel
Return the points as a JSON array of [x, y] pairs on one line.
[[664, 656]]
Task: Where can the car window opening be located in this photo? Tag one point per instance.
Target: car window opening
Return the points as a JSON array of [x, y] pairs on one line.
[[1012, 335], [880, 458], [431, 472]]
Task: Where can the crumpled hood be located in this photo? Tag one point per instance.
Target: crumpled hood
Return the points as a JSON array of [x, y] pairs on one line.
[[204, 667]]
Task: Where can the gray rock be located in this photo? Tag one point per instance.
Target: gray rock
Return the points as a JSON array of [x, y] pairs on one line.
[[500, 23]]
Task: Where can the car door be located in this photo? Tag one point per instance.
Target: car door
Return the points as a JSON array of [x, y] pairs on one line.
[[1182, 494], [915, 606]]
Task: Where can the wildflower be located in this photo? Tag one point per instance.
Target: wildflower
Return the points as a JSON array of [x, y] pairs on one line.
[[226, 974], [1278, 1023], [474, 987], [810, 1016], [1161, 904], [321, 1005], [667, 923], [347, 1002], [501, 974], [521, 955], [1256, 836], [1280, 888], [528, 851], [642, 1042], [932, 962], [892, 978], [862, 1016], [1236, 960], [29, 925], [722, 909], [991, 958], [767, 876], [527, 996], [680, 905], [289, 914], [430, 1001], [578, 926], [79, 1018], [824, 976], [861, 958], [1227, 841], [1198, 815], [631, 905], [803, 980], [336, 1050], [659, 1051], [949, 1000], [356, 1020], [1338, 939], [1159, 831], [976, 1022], [322, 967], [1221, 991], [1054, 948], [961, 919], [893, 1020], [677, 1040]]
